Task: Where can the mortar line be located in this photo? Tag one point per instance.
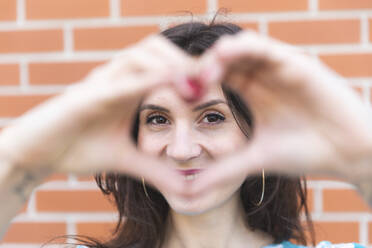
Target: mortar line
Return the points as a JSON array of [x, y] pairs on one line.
[[115, 10], [21, 12]]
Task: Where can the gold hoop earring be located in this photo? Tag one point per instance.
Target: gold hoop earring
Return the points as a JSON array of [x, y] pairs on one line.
[[263, 189], [144, 188]]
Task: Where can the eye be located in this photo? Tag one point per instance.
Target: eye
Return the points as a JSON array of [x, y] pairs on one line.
[[213, 118], [157, 119]]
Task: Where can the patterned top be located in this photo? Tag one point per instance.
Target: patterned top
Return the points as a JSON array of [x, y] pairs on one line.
[[323, 244], [287, 244]]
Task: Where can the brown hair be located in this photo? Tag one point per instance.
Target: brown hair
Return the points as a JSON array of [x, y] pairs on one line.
[[145, 219]]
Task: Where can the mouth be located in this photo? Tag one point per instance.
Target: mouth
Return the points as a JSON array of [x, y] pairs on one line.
[[190, 174]]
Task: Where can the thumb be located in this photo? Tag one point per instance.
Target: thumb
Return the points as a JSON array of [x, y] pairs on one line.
[[227, 170], [157, 172]]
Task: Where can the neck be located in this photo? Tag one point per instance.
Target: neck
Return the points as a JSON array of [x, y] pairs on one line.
[[220, 227]]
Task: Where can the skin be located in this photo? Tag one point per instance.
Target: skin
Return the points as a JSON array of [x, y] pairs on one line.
[[307, 119], [87, 128], [192, 136]]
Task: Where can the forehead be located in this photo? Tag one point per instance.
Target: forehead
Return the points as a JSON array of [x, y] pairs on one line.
[[169, 97]]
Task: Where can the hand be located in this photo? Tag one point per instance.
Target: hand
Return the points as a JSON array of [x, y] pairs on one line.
[[87, 128], [306, 118]]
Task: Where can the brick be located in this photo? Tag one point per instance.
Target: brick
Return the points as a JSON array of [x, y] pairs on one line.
[[86, 179], [31, 41], [310, 200], [370, 232], [370, 29], [350, 65], [316, 32], [59, 73], [238, 6], [9, 74], [99, 230], [35, 233], [343, 200], [57, 9], [110, 38], [8, 10], [162, 7], [344, 4], [337, 232], [14, 106], [56, 177], [73, 201]]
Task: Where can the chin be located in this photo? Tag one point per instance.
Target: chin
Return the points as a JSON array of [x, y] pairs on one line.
[[190, 209], [215, 199], [197, 206]]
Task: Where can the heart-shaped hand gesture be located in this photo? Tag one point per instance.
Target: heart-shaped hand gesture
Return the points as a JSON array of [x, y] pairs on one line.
[[87, 129], [306, 117]]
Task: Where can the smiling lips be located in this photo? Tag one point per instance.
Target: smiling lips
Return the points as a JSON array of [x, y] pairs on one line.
[[190, 174]]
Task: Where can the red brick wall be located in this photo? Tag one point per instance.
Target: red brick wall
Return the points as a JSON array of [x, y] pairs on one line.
[[48, 44]]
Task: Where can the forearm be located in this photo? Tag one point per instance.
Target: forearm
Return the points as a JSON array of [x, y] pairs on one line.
[[360, 174], [16, 186]]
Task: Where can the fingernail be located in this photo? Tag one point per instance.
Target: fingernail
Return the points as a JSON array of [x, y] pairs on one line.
[[195, 87]]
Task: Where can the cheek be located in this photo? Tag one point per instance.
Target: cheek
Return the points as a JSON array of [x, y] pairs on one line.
[[150, 143], [216, 142], [224, 141]]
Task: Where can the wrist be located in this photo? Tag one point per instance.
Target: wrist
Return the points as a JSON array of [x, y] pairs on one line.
[[15, 188], [19, 181]]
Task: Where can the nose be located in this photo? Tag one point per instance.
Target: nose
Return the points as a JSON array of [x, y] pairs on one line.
[[182, 146]]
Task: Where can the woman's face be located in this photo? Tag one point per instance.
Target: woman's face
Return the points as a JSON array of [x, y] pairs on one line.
[[192, 136]]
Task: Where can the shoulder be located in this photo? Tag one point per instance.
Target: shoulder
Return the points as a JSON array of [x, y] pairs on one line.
[[323, 244], [327, 244]]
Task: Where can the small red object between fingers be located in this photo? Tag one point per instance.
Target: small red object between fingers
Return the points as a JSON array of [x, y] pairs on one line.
[[196, 88]]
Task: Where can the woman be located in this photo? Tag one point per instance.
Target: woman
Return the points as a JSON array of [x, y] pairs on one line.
[[193, 135], [219, 206]]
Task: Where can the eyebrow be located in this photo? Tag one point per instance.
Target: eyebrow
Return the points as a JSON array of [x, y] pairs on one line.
[[199, 107], [208, 104], [153, 107]]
